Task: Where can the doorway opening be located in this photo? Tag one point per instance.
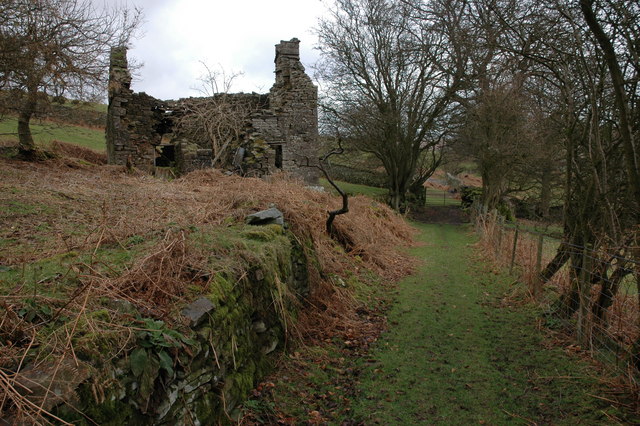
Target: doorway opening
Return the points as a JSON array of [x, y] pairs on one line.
[[165, 156]]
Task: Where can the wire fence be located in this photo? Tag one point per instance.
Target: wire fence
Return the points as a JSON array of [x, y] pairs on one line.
[[592, 294]]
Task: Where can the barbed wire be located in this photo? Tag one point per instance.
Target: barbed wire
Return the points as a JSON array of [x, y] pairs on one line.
[[595, 301]]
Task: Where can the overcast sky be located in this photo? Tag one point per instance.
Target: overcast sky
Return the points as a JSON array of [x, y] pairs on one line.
[[238, 35]]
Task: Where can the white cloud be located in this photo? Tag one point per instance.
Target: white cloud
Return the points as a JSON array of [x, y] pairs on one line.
[[237, 35]]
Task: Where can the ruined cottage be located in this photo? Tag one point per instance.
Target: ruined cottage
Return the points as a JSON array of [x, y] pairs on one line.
[[278, 130]]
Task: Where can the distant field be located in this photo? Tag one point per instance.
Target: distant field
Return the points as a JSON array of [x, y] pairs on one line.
[[45, 132], [356, 189], [88, 105], [436, 197]]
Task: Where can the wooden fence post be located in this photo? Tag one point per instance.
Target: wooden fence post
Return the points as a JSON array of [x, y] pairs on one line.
[[584, 299], [513, 251], [537, 281]]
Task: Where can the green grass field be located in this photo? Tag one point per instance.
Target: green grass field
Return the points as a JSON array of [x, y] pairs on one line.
[[434, 197], [45, 132], [356, 189], [462, 348]]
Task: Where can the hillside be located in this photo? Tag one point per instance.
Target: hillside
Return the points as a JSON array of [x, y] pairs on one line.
[[70, 121], [93, 260], [46, 132]]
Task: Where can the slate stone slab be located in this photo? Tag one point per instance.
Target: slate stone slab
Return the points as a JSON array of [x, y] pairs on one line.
[[52, 382], [266, 217], [198, 310]]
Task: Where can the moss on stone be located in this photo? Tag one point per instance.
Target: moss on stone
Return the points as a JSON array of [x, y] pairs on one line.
[[219, 289], [110, 409], [189, 148], [263, 233], [252, 272]]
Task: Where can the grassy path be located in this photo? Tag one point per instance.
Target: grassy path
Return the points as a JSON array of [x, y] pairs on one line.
[[456, 353]]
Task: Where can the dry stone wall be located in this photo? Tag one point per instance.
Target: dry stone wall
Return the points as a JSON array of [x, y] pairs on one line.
[[131, 118], [294, 99], [230, 332], [281, 129]]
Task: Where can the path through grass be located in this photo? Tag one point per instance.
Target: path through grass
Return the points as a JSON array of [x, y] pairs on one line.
[[462, 350]]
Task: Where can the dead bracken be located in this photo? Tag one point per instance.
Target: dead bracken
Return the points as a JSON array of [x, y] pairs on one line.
[[97, 257]]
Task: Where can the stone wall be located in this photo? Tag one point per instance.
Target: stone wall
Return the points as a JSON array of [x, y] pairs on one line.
[[234, 328], [133, 119], [369, 177], [281, 130], [294, 100]]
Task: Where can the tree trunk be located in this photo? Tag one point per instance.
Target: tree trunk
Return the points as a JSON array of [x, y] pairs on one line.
[[26, 145], [418, 194], [491, 191], [569, 301], [608, 291], [545, 194], [395, 199], [561, 257], [397, 192], [635, 351], [622, 102]]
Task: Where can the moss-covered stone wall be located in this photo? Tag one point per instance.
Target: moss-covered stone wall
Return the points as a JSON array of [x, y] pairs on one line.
[[200, 369]]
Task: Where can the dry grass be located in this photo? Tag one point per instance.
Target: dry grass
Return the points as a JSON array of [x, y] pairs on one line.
[[67, 150], [612, 341], [65, 206]]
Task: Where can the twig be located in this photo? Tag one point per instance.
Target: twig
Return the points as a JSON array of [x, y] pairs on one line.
[[529, 421], [24, 354], [345, 199], [560, 377], [610, 400], [611, 417], [21, 401]]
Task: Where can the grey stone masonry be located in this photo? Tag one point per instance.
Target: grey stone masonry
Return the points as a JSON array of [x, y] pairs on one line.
[[281, 130], [294, 99]]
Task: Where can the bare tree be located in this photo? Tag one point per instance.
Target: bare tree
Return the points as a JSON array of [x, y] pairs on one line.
[[218, 119], [621, 28], [497, 135], [322, 165], [216, 80], [392, 69], [57, 47], [586, 56]]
